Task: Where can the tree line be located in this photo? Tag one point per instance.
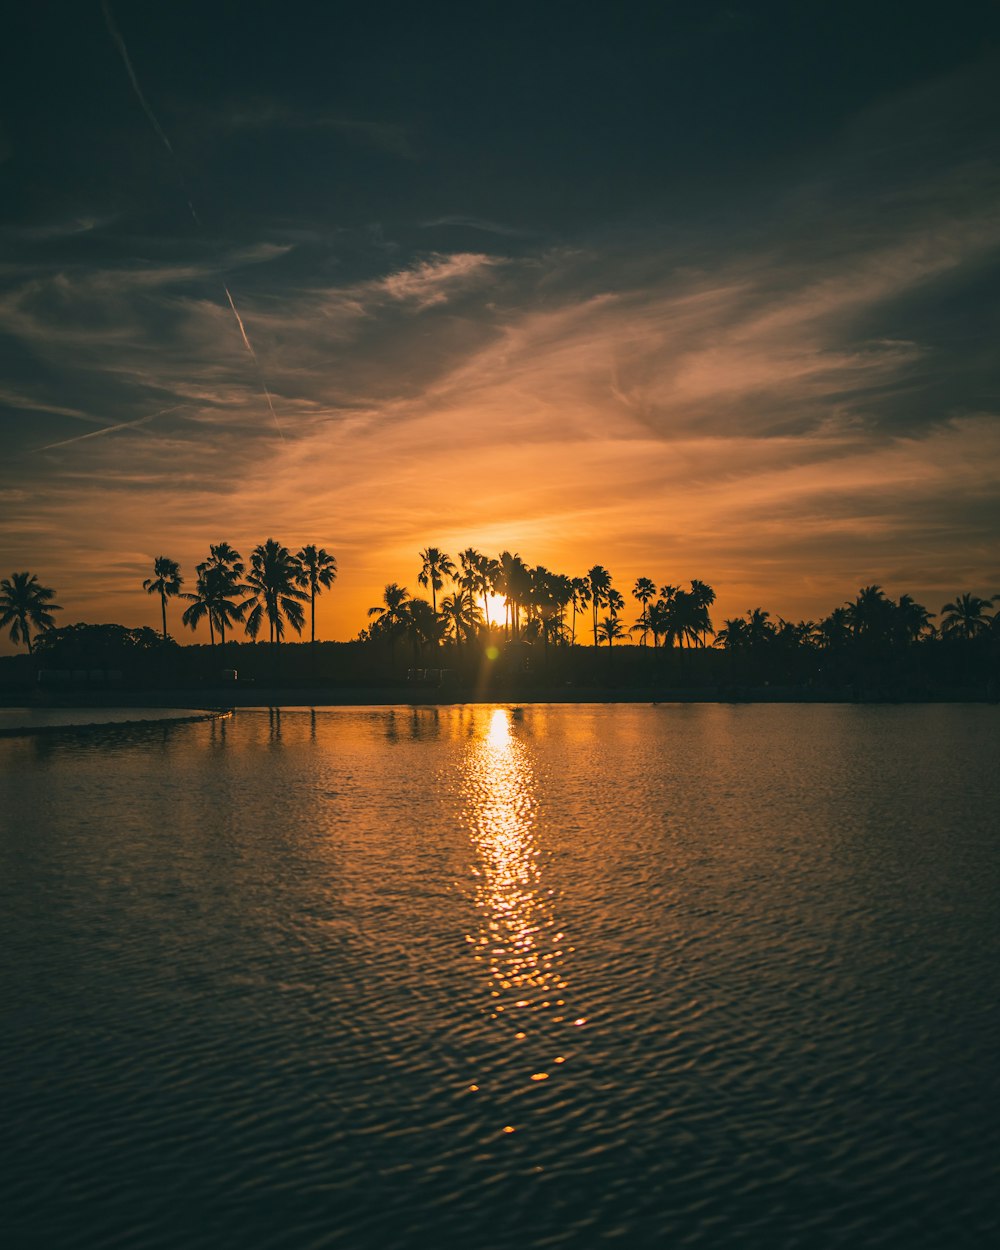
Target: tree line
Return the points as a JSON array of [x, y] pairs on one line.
[[538, 605], [275, 587]]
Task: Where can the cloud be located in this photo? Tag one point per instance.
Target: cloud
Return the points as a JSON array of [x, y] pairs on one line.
[[432, 281], [476, 223], [788, 408], [389, 137]]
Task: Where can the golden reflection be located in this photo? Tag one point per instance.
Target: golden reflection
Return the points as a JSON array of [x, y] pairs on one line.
[[518, 944]]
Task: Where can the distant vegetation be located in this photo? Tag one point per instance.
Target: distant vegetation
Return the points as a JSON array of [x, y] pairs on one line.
[[541, 620]]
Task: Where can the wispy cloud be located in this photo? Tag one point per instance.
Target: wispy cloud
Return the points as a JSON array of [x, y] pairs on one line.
[[784, 408], [389, 137], [477, 223], [431, 281]]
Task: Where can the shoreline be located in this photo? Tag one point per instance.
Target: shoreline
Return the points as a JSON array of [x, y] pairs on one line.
[[232, 698]]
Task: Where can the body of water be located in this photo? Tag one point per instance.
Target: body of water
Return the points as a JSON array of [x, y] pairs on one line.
[[679, 976]]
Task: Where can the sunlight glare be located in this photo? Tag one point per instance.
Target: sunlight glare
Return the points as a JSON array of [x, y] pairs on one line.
[[520, 944]]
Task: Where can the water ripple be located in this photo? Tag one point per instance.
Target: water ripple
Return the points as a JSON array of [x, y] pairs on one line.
[[709, 977]]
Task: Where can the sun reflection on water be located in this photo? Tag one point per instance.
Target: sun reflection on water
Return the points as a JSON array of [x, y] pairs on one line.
[[519, 943]]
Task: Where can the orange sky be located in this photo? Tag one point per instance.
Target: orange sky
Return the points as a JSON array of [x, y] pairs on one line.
[[757, 350]]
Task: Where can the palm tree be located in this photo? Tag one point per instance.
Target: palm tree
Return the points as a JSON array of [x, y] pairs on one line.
[[165, 582], [223, 570], [422, 624], [579, 601], [870, 613], [835, 631], [437, 565], [643, 590], [201, 604], [913, 619], [599, 582], [965, 617], [478, 576], [683, 618], [515, 576], [273, 583], [610, 629], [703, 596], [212, 600], [318, 572], [25, 602], [663, 612], [688, 613], [733, 634], [561, 594], [391, 615], [222, 556], [550, 593], [658, 615], [461, 614]]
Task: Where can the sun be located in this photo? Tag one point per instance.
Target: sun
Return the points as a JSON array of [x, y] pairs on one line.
[[497, 609]]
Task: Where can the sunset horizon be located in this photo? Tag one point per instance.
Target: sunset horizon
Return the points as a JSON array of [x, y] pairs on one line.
[[733, 322]]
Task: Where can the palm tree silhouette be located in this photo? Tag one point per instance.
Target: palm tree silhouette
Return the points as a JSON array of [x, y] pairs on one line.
[[579, 600], [422, 624], [599, 582], [201, 604], [479, 575], [318, 572], [664, 614], [658, 614], [835, 630], [25, 602], [391, 615], [462, 614], [213, 598], [516, 575], [702, 596], [609, 629], [965, 617], [274, 585], [870, 613], [224, 568], [165, 582], [759, 627], [913, 619], [643, 590], [561, 595], [436, 566]]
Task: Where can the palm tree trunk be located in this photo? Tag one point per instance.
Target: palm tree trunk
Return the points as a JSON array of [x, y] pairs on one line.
[[163, 605], [312, 638]]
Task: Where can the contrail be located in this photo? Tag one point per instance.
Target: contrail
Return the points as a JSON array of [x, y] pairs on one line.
[[120, 43], [110, 429], [116, 35], [253, 355], [239, 322]]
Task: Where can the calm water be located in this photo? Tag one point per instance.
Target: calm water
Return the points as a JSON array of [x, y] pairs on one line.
[[678, 976]]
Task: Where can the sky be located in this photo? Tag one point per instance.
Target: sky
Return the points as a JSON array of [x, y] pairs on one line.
[[688, 290]]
